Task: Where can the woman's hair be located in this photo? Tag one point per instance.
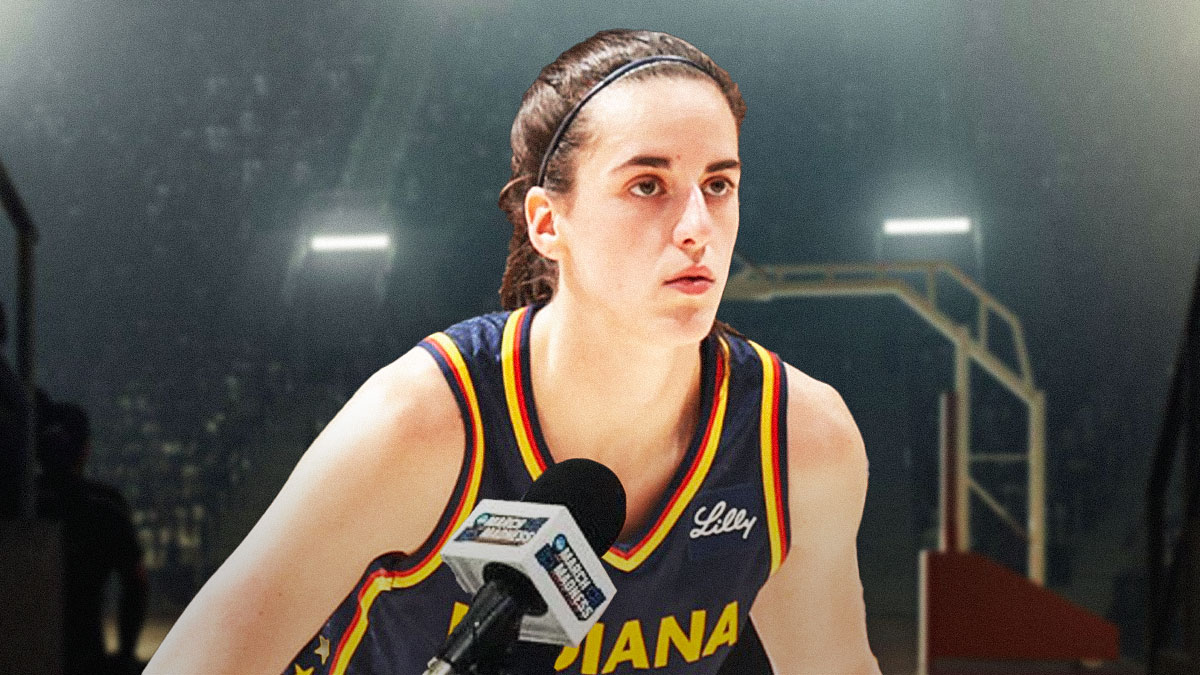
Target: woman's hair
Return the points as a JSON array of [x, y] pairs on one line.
[[528, 277]]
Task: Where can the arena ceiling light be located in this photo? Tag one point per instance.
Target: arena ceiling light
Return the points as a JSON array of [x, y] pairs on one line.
[[350, 242], [916, 226]]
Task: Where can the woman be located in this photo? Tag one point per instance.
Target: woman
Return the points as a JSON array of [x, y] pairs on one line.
[[745, 478]]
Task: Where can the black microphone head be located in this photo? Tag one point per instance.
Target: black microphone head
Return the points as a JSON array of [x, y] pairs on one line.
[[591, 492]]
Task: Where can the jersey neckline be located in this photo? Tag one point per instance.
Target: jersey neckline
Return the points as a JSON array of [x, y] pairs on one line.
[[625, 555]]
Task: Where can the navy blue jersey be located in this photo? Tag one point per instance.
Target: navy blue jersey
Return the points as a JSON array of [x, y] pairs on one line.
[[685, 582]]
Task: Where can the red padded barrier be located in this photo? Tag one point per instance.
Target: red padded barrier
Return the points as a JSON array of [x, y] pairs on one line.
[[976, 609]]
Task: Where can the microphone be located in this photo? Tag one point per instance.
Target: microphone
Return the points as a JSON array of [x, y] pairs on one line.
[[533, 565]]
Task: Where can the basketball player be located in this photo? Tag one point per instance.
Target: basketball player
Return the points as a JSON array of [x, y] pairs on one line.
[[745, 478]]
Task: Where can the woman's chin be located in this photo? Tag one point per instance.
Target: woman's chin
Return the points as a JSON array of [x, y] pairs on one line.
[[684, 325]]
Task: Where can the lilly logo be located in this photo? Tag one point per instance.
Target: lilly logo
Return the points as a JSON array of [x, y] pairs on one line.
[[721, 519]]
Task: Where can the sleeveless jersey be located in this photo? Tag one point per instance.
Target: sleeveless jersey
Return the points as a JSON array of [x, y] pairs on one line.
[[685, 582]]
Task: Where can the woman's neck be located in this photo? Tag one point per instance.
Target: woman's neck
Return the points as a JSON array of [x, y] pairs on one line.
[[610, 396]]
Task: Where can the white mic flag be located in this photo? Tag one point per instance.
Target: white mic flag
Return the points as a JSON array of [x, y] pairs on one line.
[[542, 542]]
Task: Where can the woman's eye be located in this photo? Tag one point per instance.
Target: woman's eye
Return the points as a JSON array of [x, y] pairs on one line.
[[719, 187], [646, 188]]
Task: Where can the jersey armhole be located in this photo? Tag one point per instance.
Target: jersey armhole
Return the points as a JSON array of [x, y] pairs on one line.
[[424, 559], [781, 464], [773, 453]]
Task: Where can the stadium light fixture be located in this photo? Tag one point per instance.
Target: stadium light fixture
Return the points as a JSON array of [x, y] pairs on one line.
[[898, 227], [355, 242]]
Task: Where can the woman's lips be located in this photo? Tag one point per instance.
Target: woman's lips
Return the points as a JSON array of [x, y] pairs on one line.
[[691, 285]]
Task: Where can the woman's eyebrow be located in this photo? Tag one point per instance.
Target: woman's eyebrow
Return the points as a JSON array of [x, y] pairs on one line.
[[722, 165], [665, 163]]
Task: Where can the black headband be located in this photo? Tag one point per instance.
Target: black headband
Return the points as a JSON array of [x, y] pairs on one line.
[[608, 79]]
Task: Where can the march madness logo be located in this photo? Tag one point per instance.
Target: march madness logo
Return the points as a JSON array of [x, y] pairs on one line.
[[500, 529], [570, 577]]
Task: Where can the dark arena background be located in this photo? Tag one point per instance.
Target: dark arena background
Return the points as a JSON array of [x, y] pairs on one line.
[[176, 160]]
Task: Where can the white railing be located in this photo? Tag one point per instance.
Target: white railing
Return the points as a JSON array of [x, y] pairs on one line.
[[917, 285]]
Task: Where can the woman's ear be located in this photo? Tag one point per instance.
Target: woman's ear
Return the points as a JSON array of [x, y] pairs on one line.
[[540, 223]]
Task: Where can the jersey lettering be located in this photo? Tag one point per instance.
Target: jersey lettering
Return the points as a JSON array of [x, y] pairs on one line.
[[669, 633], [726, 631], [630, 644], [720, 520]]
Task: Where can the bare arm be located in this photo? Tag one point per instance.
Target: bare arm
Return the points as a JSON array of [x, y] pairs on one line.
[[810, 614], [375, 480]]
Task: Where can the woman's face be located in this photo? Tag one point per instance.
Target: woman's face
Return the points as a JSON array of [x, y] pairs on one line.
[[647, 233]]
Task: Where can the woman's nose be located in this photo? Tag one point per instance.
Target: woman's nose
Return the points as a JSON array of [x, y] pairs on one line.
[[695, 224]]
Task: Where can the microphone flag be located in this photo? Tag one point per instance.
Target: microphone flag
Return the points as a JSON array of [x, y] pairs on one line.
[[542, 542]]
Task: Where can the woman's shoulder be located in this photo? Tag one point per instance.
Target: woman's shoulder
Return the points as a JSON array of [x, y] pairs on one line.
[[412, 400], [395, 447], [374, 481], [400, 438], [822, 433]]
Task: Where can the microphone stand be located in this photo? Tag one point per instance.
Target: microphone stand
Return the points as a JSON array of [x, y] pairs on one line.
[[440, 667], [495, 621]]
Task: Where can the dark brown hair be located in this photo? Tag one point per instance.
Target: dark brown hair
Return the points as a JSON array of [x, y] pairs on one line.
[[528, 277]]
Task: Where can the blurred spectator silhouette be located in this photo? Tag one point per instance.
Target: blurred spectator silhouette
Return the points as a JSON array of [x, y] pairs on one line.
[[13, 411], [98, 539]]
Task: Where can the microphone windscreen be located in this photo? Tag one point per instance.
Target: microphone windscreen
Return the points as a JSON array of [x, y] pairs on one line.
[[591, 492]]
